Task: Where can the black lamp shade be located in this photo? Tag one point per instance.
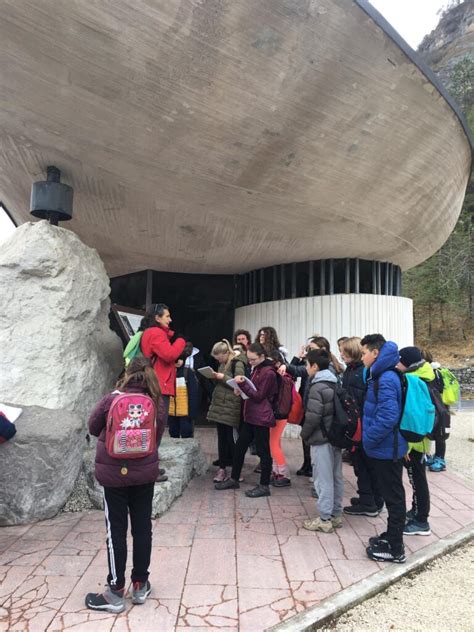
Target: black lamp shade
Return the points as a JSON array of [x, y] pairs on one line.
[[49, 198]]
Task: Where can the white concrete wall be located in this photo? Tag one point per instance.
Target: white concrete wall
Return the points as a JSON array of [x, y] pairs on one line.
[[331, 316]]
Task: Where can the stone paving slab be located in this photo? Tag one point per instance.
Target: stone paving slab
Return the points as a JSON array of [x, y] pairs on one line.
[[220, 561]]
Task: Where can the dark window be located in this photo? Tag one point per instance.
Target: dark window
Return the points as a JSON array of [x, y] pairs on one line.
[[365, 277], [339, 276]]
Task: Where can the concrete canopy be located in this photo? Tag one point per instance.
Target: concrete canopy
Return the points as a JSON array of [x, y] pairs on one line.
[[228, 135]]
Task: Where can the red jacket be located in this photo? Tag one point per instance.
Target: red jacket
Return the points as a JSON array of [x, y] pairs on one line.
[[107, 468], [258, 409], [156, 345]]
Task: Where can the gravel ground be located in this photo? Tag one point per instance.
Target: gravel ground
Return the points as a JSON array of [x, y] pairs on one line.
[[440, 597]]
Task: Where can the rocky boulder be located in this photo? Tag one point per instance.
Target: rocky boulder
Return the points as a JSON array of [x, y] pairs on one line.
[[182, 459], [58, 350], [40, 465]]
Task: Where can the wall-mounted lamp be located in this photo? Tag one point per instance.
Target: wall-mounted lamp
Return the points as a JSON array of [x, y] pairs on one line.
[[51, 200]]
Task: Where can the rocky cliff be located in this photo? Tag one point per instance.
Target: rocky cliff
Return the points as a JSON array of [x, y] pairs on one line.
[[451, 41]]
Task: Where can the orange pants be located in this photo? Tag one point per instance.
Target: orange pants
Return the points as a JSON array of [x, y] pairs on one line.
[[279, 461]]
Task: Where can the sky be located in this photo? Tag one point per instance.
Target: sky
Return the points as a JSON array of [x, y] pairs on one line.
[[413, 19]]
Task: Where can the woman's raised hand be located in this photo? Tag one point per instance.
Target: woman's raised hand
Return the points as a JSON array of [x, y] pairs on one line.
[[282, 370]]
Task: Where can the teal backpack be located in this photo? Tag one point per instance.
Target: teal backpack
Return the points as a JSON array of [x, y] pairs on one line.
[[132, 350], [418, 411]]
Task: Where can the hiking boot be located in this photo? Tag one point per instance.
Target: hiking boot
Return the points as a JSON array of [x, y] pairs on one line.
[[411, 515], [228, 484], [362, 510], [415, 527], [140, 592], [221, 475], [109, 601], [280, 481], [383, 552], [336, 522], [258, 491], [438, 465], [376, 539], [305, 470], [318, 524]]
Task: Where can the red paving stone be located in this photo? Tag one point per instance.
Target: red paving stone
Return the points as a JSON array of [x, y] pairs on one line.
[[220, 560]]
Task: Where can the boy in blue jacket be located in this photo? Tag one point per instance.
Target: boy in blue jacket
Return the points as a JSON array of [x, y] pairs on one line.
[[383, 443]]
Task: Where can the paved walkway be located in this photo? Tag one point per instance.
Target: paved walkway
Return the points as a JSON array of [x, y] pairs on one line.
[[220, 561]]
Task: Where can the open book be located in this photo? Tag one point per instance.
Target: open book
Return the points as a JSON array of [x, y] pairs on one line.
[[235, 385]]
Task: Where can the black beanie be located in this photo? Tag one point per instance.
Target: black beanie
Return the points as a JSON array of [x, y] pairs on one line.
[[410, 355]]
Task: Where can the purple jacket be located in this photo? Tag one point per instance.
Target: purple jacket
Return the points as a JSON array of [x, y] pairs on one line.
[[107, 468], [258, 409]]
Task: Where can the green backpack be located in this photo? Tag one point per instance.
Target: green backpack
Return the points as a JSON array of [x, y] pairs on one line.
[[132, 350], [451, 389]]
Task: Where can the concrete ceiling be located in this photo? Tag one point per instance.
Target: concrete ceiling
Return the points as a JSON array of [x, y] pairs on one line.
[[227, 135]]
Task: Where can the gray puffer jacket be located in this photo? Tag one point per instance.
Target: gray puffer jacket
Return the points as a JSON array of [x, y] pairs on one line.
[[226, 408], [319, 407]]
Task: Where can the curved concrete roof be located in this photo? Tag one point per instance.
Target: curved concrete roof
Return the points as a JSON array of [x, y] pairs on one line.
[[224, 136]]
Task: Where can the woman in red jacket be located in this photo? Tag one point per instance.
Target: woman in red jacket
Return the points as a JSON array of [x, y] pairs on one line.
[[259, 417], [156, 344]]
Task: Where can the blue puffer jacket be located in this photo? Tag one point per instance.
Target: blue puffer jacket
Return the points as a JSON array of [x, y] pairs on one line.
[[382, 412]]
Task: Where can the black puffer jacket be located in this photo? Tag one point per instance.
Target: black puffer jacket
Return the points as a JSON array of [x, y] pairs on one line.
[[353, 382]]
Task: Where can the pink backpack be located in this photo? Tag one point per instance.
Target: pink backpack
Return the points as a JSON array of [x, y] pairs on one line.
[[131, 426]]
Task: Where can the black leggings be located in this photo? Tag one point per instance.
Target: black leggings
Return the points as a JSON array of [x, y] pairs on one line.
[[262, 440], [226, 438], [440, 448]]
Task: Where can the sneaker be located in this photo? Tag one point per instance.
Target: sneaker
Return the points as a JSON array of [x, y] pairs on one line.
[[258, 491], [228, 484], [410, 515], [414, 527], [305, 470], [336, 522], [140, 592], [161, 471], [438, 465], [355, 500], [109, 601], [216, 463], [362, 510], [318, 524], [221, 475], [430, 459], [162, 478], [280, 481], [314, 493], [376, 539], [383, 552]]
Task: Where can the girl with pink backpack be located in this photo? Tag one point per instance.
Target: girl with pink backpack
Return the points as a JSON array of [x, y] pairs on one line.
[[126, 465]]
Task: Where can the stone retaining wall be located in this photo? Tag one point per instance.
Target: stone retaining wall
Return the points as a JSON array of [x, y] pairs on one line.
[[466, 379]]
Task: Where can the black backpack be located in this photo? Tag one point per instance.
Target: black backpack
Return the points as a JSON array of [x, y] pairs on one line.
[[442, 424], [345, 431]]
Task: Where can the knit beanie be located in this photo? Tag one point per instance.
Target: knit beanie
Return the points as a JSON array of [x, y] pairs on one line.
[[410, 355]]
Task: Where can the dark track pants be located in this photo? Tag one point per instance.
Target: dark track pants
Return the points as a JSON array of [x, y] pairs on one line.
[[226, 440], [389, 475], [368, 488], [416, 469], [118, 502]]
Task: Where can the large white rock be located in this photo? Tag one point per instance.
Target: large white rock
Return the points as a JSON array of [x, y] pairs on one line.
[[58, 350], [40, 465]]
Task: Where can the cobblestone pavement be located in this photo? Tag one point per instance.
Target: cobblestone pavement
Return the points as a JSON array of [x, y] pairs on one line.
[[220, 561]]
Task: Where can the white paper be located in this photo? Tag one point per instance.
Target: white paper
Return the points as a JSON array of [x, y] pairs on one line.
[[207, 371], [235, 385], [11, 412]]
